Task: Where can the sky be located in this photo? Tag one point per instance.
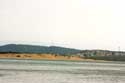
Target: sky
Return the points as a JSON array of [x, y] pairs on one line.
[[82, 24]]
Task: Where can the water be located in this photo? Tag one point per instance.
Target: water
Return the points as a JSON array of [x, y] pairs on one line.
[[45, 71]]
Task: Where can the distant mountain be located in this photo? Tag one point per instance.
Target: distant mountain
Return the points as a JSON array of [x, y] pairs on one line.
[[20, 48]]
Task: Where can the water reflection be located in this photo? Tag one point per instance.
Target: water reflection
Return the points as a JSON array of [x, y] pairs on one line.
[[37, 71]]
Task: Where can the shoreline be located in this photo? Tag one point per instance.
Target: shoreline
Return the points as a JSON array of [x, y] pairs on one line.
[[46, 57]]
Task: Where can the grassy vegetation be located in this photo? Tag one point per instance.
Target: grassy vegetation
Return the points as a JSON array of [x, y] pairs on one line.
[[108, 58]]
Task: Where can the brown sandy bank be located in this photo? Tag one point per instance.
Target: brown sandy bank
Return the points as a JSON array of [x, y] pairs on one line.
[[44, 56]]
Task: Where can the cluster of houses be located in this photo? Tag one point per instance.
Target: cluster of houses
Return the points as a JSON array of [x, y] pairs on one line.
[[86, 53]]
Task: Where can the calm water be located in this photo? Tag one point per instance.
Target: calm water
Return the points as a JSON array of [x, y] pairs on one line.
[[43, 71]]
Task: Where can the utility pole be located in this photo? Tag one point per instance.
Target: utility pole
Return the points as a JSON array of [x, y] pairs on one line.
[[119, 49]]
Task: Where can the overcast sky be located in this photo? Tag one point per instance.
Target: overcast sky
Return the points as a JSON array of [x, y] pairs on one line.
[[83, 24]]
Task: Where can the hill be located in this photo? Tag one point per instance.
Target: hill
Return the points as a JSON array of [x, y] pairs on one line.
[[47, 52], [20, 48]]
